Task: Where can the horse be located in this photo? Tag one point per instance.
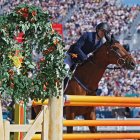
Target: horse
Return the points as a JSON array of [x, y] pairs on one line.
[[87, 75]]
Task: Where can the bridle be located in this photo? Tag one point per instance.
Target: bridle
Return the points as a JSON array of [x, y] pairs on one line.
[[121, 59]]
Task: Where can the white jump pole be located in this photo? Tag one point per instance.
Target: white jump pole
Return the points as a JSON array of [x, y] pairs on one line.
[[1, 123], [56, 117]]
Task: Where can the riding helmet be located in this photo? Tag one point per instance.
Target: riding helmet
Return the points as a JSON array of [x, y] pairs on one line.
[[103, 26]]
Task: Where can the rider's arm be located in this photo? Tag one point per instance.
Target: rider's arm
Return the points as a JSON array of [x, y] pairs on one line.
[[78, 47]]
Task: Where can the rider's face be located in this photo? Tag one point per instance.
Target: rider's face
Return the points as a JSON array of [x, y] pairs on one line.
[[101, 33]]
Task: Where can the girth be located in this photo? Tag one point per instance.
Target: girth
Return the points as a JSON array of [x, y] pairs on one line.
[[84, 86]]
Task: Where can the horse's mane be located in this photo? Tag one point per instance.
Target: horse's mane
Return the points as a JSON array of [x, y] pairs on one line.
[[107, 43]]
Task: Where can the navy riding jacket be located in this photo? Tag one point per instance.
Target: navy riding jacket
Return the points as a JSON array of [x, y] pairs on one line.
[[85, 45]]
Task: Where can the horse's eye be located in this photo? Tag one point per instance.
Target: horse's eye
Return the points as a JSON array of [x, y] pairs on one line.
[[115, 48]]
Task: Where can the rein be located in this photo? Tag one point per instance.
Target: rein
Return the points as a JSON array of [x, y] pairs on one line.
[[114, 68]]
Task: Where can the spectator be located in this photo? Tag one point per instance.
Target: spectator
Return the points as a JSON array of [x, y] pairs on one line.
[[138, 29]]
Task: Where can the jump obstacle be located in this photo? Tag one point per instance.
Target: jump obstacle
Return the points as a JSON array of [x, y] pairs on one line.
[[73, 101], [97, 101]]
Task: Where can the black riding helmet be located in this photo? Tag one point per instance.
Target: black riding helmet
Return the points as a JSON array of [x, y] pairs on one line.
[[103, 26]]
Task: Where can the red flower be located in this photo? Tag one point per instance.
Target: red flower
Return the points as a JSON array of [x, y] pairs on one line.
[[34, 13], [44, 87], [42, 59], [12, 85], [38, 66], [25, 15], [23, 12], [49, 50], [11, 72], [20, 37], [17, 52]]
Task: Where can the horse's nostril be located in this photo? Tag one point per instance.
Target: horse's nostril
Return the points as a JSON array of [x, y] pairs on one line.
[[132, 64]]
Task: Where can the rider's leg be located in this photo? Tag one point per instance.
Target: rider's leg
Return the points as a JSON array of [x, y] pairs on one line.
[[68, 63]]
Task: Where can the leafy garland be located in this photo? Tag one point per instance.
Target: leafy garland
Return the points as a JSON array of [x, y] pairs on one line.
[[31, 54]]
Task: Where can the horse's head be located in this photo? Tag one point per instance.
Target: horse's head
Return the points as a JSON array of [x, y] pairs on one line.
[[113, 52], [118, 55]]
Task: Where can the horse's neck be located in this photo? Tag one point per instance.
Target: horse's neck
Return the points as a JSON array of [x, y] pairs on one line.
[[91, 74]]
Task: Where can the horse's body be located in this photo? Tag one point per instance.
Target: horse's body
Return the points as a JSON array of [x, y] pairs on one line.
[[87, 76]]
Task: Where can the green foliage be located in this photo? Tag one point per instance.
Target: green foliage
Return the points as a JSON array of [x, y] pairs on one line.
[[23, 75]]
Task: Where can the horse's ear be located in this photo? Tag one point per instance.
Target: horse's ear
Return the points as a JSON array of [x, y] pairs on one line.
[[113, 40], [112, 37]]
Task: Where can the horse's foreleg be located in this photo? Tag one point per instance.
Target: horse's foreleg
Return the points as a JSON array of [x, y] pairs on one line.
[[69, 116], [37, 109], [91, 116], [69, 129]]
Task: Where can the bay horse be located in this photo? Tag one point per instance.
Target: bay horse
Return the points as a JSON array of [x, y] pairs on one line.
[[87, 76]]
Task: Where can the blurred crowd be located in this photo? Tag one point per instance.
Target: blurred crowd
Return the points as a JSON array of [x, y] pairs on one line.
[[79, 16], [138, 28], [89, 14]]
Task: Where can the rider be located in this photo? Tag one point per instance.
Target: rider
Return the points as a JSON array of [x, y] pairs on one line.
[[85, 45]]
